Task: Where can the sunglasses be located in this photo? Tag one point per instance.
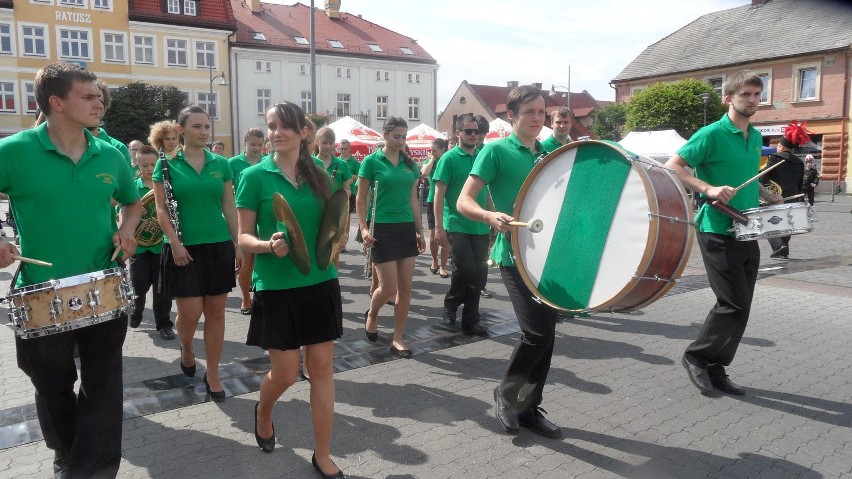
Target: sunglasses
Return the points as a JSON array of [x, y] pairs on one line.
[[470, 131]]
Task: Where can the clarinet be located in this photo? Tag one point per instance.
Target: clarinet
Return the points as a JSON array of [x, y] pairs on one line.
[[171, 202], [368, 269]]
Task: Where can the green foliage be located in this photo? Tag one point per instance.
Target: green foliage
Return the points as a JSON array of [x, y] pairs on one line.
[[136, 106], [677, 106], [609, 122], [319, 119]]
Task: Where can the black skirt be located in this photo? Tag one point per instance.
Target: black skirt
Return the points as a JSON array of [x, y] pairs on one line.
[[286, 319], [210, 273], [430, 215], [394, 241]]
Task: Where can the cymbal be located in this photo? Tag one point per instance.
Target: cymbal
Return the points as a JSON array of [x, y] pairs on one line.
[[295, 240], [331, 228]]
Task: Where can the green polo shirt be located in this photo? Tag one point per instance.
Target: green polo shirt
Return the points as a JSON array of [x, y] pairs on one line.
[[504, 165], [354, 166], [453, 170], [121, 147], [430, 197], [339, 172], [157, 248], [393, 203], [720, 155], [199, 197], [63, 209], [238, 164], [258, 184], [551, 143]]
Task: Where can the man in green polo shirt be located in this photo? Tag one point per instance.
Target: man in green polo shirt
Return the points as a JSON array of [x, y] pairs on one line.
[[503, 165], [561, 121], [61, 181], [468, 238], [724, 155]]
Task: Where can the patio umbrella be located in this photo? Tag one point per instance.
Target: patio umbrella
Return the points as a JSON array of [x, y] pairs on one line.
[[362, 138], [419, 140], [545, 133], [498, 129]]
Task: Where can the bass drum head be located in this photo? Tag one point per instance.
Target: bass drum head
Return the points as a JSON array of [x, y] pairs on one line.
[[594, 207]]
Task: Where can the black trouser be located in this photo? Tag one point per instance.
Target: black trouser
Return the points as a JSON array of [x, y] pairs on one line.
[[524, 381], [778, 242], [144, 273], [809, 194], [85, 428], [732, 272], [470, 270]]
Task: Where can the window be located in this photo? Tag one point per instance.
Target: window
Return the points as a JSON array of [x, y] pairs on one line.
[[173, 6], [414, 108], [344, 101], [205, 54], [261, 67], [335, 44], [374, 47], [806, 81], [72, 3], [766, 94], [29, 97], [406, 51], [190, 7], [34, 40], [143, 50], [264, 100], [258, 36], [74, 44], [716, 82], [413, 78], [307, 103], [344, 72], [301, 41], [5, 38], [381, 107], [104, 4], [387, 75], [208, 101], [176, 52], [7, 97], [114, 47], [303, 69]]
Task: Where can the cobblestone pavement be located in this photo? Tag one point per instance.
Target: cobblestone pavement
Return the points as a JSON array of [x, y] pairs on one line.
[[616, 387]]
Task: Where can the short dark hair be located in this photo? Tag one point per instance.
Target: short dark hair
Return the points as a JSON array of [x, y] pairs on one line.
[[393, 122], [184, 114], [466, 118], [738, 79], [441, 143], [520, 95], [253, 133], [482, 123], [147, 150], [57, 79], [218, 143]]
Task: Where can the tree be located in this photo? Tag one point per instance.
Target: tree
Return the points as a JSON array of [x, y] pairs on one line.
[[609, 122], [136, 106], [676, 106]]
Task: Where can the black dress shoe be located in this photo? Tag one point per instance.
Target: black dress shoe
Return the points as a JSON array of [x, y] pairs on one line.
[[507, 416], [337, 475], [474, 329], [135, 322], [167, 333], [534, 420], [448, 317], [216, 396], [485, 293], [403, 353], [266, 444], [781, 252], [188, 371], [698, 375], [721, 382], [372, 337]]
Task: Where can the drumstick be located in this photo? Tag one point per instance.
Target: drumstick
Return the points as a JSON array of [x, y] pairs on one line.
[[752, 179], [793, 197], [535, 225], [24, 259], [115, 253]]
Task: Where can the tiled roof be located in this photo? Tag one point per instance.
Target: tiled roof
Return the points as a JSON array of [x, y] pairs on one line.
[[279, 24], [212, 14], [775, 29]]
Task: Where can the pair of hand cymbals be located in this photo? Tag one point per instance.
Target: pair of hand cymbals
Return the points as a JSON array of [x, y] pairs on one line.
[[331, 228], [295, 240]]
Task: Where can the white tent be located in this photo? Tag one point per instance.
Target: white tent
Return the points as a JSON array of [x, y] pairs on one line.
[[361, 137], [498, 129], [659, 145], [545, 133]]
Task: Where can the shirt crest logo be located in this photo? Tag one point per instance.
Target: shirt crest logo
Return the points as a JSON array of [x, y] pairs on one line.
[[107, 178], [217, 174]]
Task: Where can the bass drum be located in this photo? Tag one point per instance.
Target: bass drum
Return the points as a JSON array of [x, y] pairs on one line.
[[617, 230]]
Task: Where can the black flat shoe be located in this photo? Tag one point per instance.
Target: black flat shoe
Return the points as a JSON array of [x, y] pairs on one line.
[[372, 337], [216, 396], [403, 353], [266, 444], [337, 475], [434, 270], [188, 371]]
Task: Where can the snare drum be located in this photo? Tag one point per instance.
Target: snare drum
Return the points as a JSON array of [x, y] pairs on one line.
[[617, 231], [776, 220], [70, 303]]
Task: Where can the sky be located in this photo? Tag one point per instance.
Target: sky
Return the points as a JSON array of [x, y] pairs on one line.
[[490, 42]]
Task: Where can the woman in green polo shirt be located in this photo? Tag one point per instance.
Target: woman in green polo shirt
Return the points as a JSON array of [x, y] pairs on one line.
[[198, 266], [290, 309], [398, 231], [341, 177]]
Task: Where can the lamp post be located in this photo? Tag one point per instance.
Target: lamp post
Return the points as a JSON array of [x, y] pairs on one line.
[[566, 96], [210, 110], [704, 97]]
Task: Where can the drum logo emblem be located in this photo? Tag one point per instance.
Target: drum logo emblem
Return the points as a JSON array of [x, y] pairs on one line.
[[775, 220], [75, 303]]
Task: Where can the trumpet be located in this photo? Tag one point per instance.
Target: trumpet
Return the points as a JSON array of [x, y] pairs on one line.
[[171, 202], [368, 266]]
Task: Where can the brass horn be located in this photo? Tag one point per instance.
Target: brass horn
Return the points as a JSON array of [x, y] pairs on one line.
[[149, 233]]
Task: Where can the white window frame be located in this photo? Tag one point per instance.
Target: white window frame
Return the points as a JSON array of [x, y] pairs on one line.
[[102, 5], [47, 2], [301, 40], [193, 9], [406, 51], [387, 75], [721, 89], [413, 108], [262, 66], [375, 47], [413, 78], [71, 3], [10, 36], [27, 92], [208, 103], [306, 101], [88, 43], [173, 7], [336, 44], [264, 100], [152, 49], [44, 39], [339, 72], [304, 69], [5, 94], [344, 105], [766, 94], [797, 81], [208, 54], [119, 46], [185, 51], [382, 104]]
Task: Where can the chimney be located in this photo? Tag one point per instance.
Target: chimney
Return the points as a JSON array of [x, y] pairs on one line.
[[537, 85], [512, 84], [757, 3], [254, 6], [332, 9]]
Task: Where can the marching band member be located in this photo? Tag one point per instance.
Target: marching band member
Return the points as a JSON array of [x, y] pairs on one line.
[[164, 135]]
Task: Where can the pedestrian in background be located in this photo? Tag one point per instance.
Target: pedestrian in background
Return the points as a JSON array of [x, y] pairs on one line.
[[810, 180]]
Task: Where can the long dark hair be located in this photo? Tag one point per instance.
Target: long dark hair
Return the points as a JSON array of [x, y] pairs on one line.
[[396, 122], [293, 117]]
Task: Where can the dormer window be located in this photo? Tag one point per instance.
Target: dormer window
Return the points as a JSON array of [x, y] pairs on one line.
[[374, 47], [335, 44], [258, 36], [406, 51], [186, 7], [301, 41]]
